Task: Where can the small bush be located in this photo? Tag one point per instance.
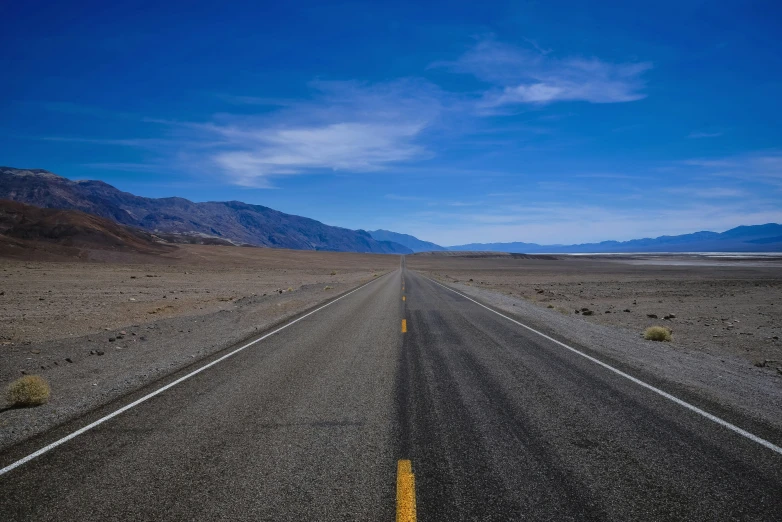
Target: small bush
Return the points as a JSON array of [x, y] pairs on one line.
[[657, 333], [333, 272], [30, 390], [290, 289], [327, 287]]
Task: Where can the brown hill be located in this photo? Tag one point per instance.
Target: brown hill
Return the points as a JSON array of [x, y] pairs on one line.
[[232, 221], [29, 231]]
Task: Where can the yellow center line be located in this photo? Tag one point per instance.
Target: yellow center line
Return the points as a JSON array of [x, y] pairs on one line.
[[405, 492], [404, 325], [403, 298]]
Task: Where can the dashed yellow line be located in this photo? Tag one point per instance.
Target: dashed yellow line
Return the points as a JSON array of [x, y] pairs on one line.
[[404, 325], [403, 298], [405, 492]]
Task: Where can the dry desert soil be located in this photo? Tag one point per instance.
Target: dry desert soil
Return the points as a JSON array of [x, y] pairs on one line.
[[718, 305], [725, 314], [98, 330]]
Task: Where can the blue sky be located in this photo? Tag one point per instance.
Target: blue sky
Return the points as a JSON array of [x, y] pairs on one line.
[[548, 122]]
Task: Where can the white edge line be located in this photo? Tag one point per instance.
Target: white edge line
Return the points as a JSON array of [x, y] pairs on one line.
[[713, 418], [135, 403]]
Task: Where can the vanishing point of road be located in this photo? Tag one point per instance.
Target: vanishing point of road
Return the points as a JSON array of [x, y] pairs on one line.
[[400, 400]]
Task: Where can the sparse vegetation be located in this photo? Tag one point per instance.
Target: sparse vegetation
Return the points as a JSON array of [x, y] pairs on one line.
[[333, 272], [290, 289], [30, 390], [327, 287], [658, 333]]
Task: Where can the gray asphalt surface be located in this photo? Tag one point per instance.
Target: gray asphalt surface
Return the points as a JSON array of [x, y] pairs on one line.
[[500, 424]]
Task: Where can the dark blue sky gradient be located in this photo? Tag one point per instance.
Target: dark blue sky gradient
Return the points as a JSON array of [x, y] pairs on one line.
[[453, 121]]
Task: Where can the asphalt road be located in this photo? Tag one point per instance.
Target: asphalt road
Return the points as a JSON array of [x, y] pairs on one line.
[[310, 423]]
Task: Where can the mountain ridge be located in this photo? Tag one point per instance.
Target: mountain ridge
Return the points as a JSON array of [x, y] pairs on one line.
[[231, 220], [744, 238], [411, 242]]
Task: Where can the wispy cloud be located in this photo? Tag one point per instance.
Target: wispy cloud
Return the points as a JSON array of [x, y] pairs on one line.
[[568, 223], [255, 100], [708, 192], [347, 126], [696, 135], [129, 142], [763, 166], [350, 146], [398, 197], [523, 76], [127, 167]]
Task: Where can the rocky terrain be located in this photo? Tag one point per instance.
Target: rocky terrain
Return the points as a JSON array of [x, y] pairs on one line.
[[717, 306], [27, 231], [96, 331], [228, 220]]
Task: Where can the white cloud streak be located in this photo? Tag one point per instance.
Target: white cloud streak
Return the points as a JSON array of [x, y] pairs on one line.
[[762, 166], [527, 77], [348, 127], [699, 135]]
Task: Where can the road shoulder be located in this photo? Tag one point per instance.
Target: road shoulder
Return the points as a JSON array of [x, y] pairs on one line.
[[726, 383]]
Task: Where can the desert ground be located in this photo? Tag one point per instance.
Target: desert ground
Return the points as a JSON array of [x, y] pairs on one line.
[[97, 330], [715, 304]]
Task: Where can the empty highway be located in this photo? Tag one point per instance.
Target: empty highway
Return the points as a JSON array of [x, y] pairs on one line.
[[400, 400]]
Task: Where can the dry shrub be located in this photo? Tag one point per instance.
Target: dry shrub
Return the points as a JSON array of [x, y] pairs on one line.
[[30, 390], [333, 272], [657, 333]]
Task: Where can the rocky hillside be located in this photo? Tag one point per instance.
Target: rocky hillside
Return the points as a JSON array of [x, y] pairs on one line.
[[26, 227], [230, 220], [411, 242]]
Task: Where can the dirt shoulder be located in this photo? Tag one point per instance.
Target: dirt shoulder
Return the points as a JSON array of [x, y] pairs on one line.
[[99, 330], [707, 356]]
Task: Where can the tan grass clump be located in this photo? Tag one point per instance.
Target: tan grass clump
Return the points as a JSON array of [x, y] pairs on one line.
[[657, 333], [30, 390]]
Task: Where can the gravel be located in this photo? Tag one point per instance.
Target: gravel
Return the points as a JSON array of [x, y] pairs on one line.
[[725, 379]]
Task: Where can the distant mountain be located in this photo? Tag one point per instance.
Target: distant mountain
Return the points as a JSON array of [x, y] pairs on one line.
[[755, 238], [411, 242], [230, 220], [24, 228]]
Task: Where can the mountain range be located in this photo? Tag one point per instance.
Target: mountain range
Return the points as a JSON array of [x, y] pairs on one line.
[[179, 220], [754, 238], [411, 242], [235, 221]]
